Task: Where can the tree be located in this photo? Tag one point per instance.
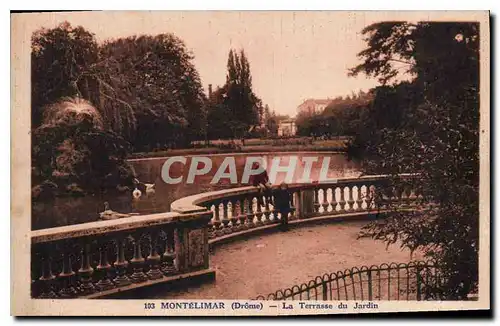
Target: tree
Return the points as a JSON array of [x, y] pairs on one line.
[[236, 101], [428, 126], [155, 76], [62, 62], [219, 115]]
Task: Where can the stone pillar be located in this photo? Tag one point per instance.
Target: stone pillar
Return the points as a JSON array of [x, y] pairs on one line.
[[297, 203], [307, 202], [191, 243]]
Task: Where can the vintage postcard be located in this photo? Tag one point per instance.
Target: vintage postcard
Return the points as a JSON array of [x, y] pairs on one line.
[[212, 163]]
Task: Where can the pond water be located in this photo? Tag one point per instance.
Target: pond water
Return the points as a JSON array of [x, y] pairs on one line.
[[67, 211]]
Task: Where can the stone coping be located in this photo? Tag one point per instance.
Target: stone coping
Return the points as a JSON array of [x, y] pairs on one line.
[[110, 226], [192, 203]]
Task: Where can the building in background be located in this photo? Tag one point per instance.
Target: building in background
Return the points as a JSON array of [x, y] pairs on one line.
[[313, 106], [287, 128]]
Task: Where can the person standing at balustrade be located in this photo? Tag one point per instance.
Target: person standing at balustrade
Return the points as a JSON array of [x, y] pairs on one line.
[[283, 203], [261, 181]]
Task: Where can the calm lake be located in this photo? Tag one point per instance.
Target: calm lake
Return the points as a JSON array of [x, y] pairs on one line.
[[67, 211]]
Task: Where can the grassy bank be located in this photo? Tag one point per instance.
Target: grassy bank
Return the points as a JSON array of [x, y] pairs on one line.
[[303, 144]]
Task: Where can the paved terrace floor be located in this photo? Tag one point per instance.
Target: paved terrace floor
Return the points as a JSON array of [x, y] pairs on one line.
[[266, 263]]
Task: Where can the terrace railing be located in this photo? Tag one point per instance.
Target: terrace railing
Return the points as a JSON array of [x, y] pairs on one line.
[[244, 209], [99, 259], [411, 281]]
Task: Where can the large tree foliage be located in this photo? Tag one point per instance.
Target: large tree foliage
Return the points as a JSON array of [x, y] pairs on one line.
[[163, 88], [157, 79], [236, 101], [428, 125], [145, 89], [62, 59]]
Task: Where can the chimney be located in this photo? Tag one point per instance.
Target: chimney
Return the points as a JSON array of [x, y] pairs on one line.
[[209, 90]]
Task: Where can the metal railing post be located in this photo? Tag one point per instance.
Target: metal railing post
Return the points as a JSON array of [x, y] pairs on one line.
[[419, 283], [370, 290]]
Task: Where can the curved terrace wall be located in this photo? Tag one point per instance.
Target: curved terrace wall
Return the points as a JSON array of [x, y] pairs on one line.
[[106, 258], [235, 211]]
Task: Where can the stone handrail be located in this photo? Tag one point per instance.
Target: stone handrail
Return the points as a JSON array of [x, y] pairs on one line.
[[241, 209], [100, 259], [104, 258]]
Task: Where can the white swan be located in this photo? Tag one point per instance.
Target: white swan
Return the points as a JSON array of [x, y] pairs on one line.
[[141, 187], [136, 193], [150, 189], [109, 214]]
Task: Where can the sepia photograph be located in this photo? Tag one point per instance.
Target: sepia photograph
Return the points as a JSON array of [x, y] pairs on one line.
[[250, 162]]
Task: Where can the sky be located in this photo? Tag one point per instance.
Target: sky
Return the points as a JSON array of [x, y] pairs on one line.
[[293, 55]]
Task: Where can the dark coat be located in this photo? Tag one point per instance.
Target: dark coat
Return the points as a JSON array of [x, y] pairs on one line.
[[261, 178], [283, 200]]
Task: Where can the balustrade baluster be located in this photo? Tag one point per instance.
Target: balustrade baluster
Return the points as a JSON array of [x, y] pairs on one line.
[[259, 213], [234, 217], [225, 219], [371, 197], [316, 201], [86, 271], [217, 222], [154, 258], [325, 203], [267, 211], [104, 269], [168, 264], [342, 201], [47, 279], [66, 276], [121, 264], [350, 198], [211, 230], [250, 215], [360, 197], [137, 262], [291, 216], [241, 215], [334, 200]]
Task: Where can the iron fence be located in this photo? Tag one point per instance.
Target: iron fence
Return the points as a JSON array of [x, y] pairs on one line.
[[404, 281]]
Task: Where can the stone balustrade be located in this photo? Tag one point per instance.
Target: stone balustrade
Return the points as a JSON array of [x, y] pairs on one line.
[[107, 258], [241, 209], [100, 259]]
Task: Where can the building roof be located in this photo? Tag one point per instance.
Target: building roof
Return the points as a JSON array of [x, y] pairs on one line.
[[316, 101]]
